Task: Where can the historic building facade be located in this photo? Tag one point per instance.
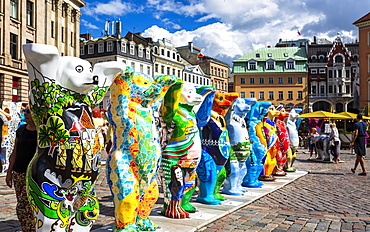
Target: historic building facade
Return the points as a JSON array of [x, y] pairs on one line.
[[133, 50], [53, 22], [167, 60], [363, 25], [332, 68], [217, 70], [277, 75]]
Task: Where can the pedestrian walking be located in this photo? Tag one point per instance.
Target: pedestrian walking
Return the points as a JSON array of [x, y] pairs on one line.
[[23, 152], [311, 142], [358, 143], [335, 141]]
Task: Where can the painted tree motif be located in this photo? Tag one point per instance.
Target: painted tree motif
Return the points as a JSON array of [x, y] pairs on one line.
[[53, 134]]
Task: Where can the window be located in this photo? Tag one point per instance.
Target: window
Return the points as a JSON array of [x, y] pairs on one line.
[[285, 54], [271, 95], [300, 94], [14, 45], [290, 64], [218, 72], [162, 69], [141, 51], [281, 94], [271, 80], [168, 70], [62, 34], [52, 29], [251, 81], [109, 46], [251, 94], [82, 50], [90, 49], [162, 52], [242, 80], [269, 55], [148, 70], [141, 68], [168, 54], [156, 68], [314, 59], [270, 65], [322, 89], [313, 89], [132, 48], [72, 39], [290, 80], [16, 82], [123, 47], [14, 9], [100, 47], [338, 59], [299, 80], [133, 66], [262, 95], [174, 73], [242, 94], [348, 89], [290, 95], [313, 71], [321, 58], [330, 89], [280, 80], [29, 16], [262, 80], [178, 73], [257, 55], [321, 70], [147, 54], [347, 73]]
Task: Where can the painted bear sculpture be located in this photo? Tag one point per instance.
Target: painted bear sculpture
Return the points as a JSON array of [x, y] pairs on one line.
[[62, 173], [254, 161], [283, 143], [184, 147], [221, 105], [240, 142], [133, 160], [269, 129], [291, 125]]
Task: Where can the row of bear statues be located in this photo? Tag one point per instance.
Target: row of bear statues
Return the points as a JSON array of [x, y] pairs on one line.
[[218, 141]]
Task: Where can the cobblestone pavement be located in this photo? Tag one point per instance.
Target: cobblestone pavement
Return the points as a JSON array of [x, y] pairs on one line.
[[329, 198]]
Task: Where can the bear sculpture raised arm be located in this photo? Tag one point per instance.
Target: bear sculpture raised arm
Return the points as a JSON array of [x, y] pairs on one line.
[[62, 174]]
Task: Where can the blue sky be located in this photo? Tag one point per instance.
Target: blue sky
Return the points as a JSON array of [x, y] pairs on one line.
[[227, 29]]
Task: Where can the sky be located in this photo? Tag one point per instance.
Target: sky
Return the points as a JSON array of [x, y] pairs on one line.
[[227, 29]]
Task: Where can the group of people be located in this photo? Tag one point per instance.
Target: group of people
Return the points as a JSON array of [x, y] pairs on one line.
[[358, 143]]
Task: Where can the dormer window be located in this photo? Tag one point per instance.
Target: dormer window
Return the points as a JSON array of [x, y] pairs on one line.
[[123, 47], [100, 47], [290, 64], [269, 54], [285, 54], [147, 54], [252, 65], [321, 58], [141, 51], [132, 48], [338, 59], [109, 46], [270, 64], [257, 55], [313, 59]]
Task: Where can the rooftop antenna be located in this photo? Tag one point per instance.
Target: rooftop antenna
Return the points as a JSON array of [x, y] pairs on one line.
[[113, 27], [106, 28], [118, 29]]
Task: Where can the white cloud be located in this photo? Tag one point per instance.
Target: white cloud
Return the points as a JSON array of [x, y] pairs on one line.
[[112, 8], [88, 25]]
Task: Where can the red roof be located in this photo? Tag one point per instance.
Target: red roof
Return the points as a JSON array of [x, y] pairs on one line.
[[363, 18]]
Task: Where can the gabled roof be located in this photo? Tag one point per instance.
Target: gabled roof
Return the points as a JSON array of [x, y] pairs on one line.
[[363, 18], [277, 54]]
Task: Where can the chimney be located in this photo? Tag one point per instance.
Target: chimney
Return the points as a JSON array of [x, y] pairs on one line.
[[268, 46], [118, 29], [191, 47], [314, 40]]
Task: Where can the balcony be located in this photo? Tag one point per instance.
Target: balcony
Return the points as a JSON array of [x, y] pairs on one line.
[[321, 95]]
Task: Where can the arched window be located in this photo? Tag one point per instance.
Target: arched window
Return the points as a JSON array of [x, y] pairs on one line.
[[338, 59]]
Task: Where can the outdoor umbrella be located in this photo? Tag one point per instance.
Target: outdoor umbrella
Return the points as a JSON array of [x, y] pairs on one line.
[[352, 115], [323, 114]]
